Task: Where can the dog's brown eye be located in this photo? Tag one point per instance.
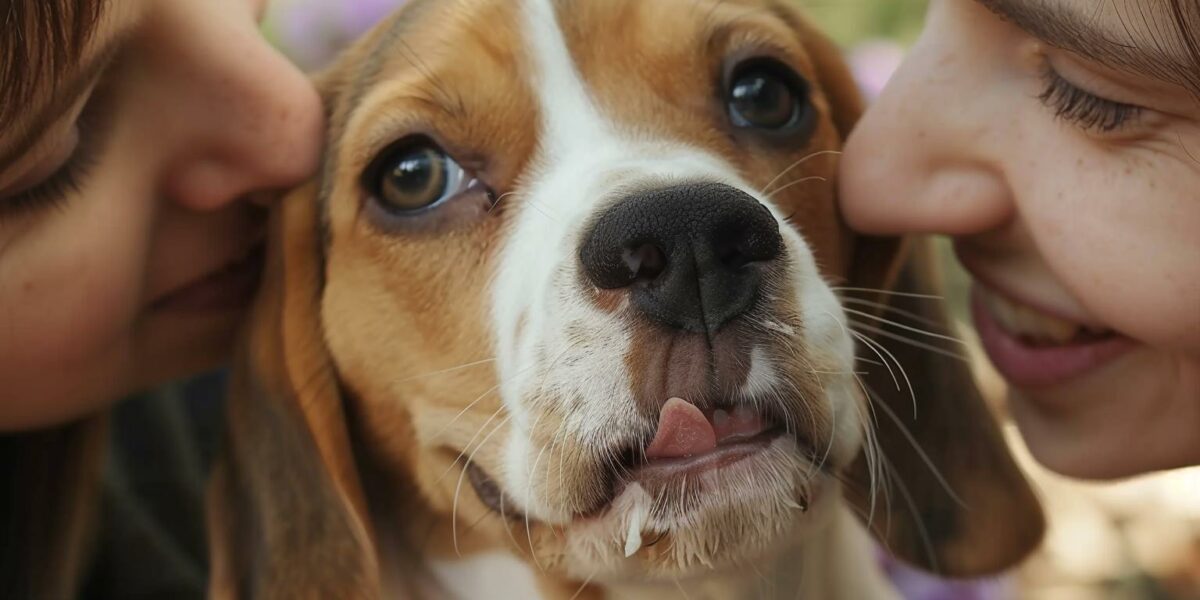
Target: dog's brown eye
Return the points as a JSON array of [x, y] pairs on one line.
[[413, 177], [767, 96]]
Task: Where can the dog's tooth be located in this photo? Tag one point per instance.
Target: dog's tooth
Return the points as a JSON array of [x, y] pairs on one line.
[[639, 508], [633, 539], [720, 417], [790, 503]]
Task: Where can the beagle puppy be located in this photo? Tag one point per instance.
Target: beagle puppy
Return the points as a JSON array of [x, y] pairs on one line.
[[559, 320]]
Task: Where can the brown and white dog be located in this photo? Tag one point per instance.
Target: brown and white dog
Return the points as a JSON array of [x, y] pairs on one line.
[[557, 320]]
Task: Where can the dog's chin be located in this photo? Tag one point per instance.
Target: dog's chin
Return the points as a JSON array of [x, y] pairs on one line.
[[717, 512], [688, 517]]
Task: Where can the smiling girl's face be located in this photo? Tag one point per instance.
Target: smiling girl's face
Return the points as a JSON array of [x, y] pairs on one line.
[[1058, 142], [126, 243]]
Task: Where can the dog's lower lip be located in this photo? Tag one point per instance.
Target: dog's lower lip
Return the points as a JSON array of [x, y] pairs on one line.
[[228, 288], [722, 456]]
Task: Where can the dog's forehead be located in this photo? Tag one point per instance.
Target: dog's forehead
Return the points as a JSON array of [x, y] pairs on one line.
[[625, 51]]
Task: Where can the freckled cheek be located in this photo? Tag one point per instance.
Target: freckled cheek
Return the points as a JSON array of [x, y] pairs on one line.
[[1128, 253]]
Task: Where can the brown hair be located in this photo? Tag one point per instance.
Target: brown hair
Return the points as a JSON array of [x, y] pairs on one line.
[[49, 497], [49, 480], [1187, 17], [39, 39]]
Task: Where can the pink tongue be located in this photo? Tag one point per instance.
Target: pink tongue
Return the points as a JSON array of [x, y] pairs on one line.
[[682, 431]]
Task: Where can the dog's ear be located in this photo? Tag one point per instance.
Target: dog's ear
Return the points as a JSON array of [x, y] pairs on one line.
[[287, 515], [948, 496]]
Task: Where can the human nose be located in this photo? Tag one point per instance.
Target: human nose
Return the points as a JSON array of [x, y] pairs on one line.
[[250, 121], [923, 159]]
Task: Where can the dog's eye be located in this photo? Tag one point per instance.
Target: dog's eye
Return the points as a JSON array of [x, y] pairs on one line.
[[414, 176], [767, 96]]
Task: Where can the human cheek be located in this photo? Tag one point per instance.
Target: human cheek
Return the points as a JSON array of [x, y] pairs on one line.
[[79, 289], [1118, 230]]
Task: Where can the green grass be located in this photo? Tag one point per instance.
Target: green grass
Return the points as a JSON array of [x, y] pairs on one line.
[[851, 21]]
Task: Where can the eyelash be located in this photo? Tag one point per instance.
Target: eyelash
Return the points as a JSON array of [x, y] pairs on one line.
[[1083, 108], [53, 191]]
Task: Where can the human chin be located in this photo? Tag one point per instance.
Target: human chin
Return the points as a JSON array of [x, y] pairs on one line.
[[1135, 416], [175, 346]]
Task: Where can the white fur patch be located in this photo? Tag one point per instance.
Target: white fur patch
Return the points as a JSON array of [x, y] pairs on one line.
[[498, 575], [558, 353], [762, 378]]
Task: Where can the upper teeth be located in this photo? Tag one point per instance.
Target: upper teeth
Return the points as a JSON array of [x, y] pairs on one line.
[[1023, 321]]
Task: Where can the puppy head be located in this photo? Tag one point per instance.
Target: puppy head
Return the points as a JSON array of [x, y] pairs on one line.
[[575, 265], [546, 220]]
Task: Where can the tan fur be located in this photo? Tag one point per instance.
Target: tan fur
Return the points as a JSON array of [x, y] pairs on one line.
[[366, 388]]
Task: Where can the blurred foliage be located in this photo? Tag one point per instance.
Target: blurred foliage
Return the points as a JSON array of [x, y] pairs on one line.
[[309, 30], [853, 21]]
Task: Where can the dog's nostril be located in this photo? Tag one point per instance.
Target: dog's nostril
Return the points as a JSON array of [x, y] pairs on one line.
[[705, 246], [645, 262], [735, 247], [730, 253]]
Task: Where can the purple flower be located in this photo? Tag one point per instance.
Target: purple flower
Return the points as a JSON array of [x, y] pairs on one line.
[[914, 584], [312, 32], [873, 64]]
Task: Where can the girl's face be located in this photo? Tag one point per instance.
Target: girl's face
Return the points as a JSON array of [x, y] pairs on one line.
[[126, 237], [1058, 142]]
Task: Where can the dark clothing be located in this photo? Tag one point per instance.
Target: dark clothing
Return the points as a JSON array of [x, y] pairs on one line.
[[151, 533]]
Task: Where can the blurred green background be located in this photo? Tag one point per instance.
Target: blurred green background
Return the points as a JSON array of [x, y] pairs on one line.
[[853, 21], [312, 31]]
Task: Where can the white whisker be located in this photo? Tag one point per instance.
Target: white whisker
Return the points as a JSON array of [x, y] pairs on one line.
[[866, 341], [912, 440], [907, 382], [766, 190], [905, 327], [458, 486], [449, 370], [583, 586], [888, 293], [931, 323], [795, 183], [911, 342]]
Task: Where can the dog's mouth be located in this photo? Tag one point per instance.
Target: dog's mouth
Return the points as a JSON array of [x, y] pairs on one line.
[[688, 444], [690, 441]]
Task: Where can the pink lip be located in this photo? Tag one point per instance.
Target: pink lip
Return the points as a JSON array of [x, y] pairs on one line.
[[728, 453], [230, 288], [1033, 367]]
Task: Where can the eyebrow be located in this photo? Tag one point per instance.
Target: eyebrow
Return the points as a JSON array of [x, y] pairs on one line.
[[1137, 51], [65, 95]]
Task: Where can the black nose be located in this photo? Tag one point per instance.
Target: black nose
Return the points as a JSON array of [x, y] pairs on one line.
[[692, 256]]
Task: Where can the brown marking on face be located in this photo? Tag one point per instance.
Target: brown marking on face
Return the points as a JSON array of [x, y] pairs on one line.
[[664, 363], [609, 301], [405, 308], [672, 87]]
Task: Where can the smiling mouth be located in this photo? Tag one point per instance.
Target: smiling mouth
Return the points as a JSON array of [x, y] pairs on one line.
[[1036, 328], [228, 288], [1034, 350]]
